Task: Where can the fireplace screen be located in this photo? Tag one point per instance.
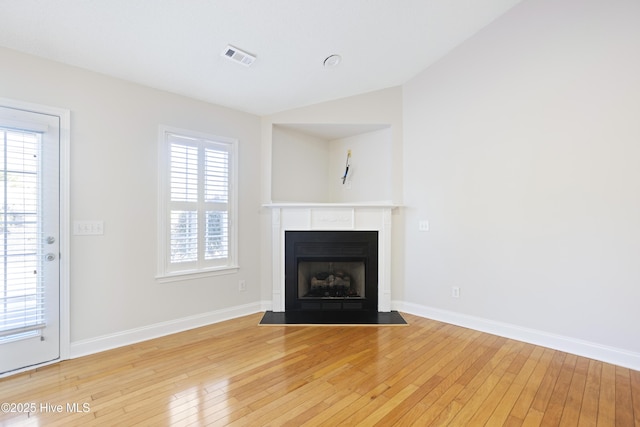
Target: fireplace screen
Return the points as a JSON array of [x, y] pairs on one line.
[[331, 279], [331, 270]]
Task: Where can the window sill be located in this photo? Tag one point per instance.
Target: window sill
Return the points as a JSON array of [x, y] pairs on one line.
[[200, 274]]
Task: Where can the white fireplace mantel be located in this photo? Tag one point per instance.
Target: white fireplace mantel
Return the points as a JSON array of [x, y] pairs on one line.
[[331, 216]]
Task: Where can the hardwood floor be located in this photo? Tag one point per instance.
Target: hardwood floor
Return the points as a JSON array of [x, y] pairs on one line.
[[241, 374]]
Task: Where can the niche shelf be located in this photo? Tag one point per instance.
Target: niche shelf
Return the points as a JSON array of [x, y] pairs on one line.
[[308, 163]]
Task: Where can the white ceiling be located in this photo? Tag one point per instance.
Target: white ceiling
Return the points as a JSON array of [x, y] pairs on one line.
[[175, 45]]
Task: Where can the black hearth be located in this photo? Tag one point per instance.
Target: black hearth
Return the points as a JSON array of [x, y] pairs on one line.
[[331, 271]]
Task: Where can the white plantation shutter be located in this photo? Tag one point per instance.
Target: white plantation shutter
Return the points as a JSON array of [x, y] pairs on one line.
[[216, 194], [199, 208], [184, 200], [22, 302]]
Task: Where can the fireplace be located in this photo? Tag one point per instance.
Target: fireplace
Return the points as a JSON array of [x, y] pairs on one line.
[[329, 270], [312, 217]]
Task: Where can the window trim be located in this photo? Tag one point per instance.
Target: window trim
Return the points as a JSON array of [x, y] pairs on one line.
[[164, 272]]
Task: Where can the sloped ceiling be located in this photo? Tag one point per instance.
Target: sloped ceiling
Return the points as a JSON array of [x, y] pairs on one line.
[[176, 45]]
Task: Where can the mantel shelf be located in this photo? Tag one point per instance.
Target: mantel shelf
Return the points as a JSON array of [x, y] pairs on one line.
[[380, 204]]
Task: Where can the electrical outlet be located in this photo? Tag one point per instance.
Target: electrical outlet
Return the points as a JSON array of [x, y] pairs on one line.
[[423, 225], [455, 292], [242, 286]]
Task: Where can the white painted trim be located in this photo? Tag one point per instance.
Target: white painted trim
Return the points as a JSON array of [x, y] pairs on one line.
[[360, 205], [613, 355], [575, 346], [328, 217], [198, 274], [267, 305], [144, 333], [65, 232]]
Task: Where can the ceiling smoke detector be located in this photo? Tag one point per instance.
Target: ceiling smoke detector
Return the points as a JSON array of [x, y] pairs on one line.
[[332, 61], [238, 55]]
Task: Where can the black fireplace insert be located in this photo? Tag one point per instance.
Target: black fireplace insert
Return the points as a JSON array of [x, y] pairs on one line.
[[331, 270]]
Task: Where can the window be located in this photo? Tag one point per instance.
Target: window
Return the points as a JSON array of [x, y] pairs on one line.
[[197, 198]]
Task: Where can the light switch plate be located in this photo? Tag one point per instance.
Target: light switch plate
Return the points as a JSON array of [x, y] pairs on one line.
[[88, 228]]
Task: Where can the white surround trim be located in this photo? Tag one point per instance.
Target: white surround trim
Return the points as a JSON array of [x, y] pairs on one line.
[[331, 216]]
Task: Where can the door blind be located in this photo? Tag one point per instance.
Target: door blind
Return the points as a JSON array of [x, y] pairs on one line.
[[21, 290]]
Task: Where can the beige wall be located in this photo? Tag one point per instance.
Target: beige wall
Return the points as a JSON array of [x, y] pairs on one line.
[[300, 167], [114, 132], [522, 150], [369, 178]]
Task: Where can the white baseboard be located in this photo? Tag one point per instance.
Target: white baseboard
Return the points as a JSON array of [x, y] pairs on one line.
[[575, 346], [132, 336]]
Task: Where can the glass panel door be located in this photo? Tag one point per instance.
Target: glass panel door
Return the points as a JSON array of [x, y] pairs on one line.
[[29, 235]]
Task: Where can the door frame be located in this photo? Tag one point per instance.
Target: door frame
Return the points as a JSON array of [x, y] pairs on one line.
[[64, 237]]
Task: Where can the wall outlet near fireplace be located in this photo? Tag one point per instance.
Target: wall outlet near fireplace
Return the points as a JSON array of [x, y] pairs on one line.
[[455, 292], [242, 286]]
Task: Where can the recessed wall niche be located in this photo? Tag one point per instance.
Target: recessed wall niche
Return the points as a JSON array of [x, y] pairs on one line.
[[309, 162]]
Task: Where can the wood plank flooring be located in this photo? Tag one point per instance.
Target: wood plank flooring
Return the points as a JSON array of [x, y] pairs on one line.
[[240, 374]]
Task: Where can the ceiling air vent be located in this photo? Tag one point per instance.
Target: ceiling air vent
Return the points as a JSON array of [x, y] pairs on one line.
[[239, 56]]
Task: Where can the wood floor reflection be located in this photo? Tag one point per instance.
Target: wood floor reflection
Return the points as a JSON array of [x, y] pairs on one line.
[[238, 373]]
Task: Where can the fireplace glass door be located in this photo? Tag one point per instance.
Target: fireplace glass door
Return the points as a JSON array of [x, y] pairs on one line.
[[331, 270]]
